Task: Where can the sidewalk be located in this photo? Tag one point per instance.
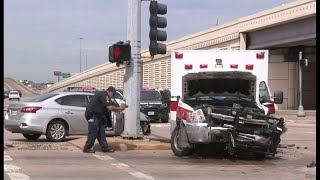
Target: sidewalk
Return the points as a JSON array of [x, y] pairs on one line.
[[120, 144], [290, 117]]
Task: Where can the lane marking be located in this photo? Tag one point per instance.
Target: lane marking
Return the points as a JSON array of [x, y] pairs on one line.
[[7, 158], [141, 175], [120, 165], [18, 176], [124, 167], [13, 170], [104, 158]]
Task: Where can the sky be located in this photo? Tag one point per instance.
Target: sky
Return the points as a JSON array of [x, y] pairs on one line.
[[42, 36]]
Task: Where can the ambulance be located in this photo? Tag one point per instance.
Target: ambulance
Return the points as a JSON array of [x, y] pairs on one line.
[[222, 96]]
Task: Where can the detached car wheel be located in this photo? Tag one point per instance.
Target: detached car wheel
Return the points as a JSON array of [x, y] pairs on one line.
[[31, 136], [56, 131], [177, 150]]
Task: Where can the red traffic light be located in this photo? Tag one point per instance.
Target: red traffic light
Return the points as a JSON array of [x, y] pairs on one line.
[[117, 52]]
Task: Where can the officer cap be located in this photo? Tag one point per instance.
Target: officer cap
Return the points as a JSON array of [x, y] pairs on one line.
[[111, 89]]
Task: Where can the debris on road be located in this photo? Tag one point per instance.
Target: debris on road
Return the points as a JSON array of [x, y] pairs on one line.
[[9, 145], [282, 146], [305, 147], [313, 164], [291, 145]]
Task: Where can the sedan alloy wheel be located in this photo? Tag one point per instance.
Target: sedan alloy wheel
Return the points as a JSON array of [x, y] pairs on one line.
[[56, 131]]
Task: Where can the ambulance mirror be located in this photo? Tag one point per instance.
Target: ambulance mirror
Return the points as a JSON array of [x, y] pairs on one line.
[[278, 97]]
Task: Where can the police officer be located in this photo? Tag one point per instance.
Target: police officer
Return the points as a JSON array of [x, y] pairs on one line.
[[95, 114]]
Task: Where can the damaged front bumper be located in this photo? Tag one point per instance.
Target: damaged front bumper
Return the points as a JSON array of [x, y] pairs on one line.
[[240, 129]]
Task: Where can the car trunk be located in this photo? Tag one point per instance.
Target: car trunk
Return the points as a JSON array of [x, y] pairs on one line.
[[15, 109]]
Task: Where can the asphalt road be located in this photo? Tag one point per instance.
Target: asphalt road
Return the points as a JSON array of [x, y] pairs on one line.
[[46, 160], [41, 159]]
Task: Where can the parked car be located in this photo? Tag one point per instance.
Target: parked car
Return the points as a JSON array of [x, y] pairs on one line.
[[55, 115], [153, 103], [14, 95], [6, 94]]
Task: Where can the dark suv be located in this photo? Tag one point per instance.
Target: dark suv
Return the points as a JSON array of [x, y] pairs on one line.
[[152, 104]]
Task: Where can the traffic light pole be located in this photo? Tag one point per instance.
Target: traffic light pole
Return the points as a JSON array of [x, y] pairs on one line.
[[132, 77]]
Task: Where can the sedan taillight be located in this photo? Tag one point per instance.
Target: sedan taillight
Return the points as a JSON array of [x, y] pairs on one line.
[[30, 109]]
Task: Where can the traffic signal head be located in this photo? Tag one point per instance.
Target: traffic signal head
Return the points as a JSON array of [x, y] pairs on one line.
[[119, 53], [156, 22]]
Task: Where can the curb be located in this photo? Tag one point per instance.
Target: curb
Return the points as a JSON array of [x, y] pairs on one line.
[[120, 144]]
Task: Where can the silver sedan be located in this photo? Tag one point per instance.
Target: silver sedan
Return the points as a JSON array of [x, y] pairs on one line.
[[55, 115]]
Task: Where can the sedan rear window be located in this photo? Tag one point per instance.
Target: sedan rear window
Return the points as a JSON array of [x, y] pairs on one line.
[[40, 97]]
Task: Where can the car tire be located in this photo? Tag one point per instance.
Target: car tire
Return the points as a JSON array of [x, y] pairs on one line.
[[31, 136], [165, 120], [18, 99], [145, 128], [56, 131], [9, 99], [258, 155], [178, 151]]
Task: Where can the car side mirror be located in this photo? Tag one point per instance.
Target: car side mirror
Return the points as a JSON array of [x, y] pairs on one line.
[[165, 96], [278, 97]]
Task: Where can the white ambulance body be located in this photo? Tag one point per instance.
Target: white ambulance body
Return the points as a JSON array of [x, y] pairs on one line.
[[213, 63]]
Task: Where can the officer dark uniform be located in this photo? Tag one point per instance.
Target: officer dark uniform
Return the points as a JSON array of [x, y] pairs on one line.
[[95, 114]]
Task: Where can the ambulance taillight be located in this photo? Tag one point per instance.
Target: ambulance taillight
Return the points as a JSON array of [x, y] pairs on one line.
[[249, 66], [260, 55], [178, 55], [188, 66], [234, 66], [202, 66]]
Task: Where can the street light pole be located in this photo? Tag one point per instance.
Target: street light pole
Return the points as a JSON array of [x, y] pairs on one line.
[[301, 112], [80, 54], [86, 62]]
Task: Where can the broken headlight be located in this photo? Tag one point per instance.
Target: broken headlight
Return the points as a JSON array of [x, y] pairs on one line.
[[197, 116]]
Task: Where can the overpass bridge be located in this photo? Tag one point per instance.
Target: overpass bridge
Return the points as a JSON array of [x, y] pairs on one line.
[[284, 30]]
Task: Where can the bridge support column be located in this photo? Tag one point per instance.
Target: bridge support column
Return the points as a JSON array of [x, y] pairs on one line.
[[243, 41]]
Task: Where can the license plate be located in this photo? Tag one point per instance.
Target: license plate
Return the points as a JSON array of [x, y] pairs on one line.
[[150, 113], [14, 113]]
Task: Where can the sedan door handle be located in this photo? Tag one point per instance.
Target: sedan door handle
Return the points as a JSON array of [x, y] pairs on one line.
[[68, 112]]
